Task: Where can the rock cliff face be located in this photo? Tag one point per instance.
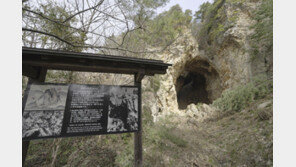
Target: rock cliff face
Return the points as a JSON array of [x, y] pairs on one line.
[[192, 79], [200, 76]]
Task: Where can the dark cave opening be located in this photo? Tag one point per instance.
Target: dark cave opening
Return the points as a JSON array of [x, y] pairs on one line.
[[191, 88], [198, 82]]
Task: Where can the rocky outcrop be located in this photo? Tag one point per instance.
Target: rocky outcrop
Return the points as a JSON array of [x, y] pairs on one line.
[[190, 80], [200, 76]]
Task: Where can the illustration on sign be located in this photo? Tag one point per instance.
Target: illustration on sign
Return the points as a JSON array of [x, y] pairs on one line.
[[47, 97], [59, 110], [122, 110], [44, 110]]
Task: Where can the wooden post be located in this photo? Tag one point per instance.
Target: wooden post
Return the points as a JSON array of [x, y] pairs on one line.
[[138, 149], [40, 78]]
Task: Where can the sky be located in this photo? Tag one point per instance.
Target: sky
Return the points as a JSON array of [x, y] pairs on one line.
[[185, 4]]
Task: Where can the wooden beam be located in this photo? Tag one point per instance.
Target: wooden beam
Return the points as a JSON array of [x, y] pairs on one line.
[[48, 53], [104, 67], [88, 62], [30, 71]]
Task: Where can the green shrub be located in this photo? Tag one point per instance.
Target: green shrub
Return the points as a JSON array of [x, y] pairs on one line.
[[155, 83], [147, 118], [213, 23], [262, 38], [241, 96], [166, 26]]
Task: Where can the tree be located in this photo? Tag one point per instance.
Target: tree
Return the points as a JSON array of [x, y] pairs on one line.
[[166, 26], [161, 30], [85, 24], [201, 13], [262, 38]]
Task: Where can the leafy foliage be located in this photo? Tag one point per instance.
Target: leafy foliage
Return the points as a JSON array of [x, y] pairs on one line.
[[202, 12], [167, 25], [55, 14], [241, 96], [161, 30], [76, 25], [155, 83], [58, 13], [211, 22], [262, 39], [211, 16]]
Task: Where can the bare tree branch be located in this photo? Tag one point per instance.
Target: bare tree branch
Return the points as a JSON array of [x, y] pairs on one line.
[[94, 7], [60, 23], [43, 16], [104, 26], [87, 45], [125, 34], [49, 34]]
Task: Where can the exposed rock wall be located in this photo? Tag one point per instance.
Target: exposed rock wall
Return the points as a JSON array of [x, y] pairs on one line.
[[185, 57], [229, 65]]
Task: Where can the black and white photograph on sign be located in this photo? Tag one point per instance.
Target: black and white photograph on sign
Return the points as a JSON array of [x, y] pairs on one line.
[[42, 123], [122, 109], [47, 97]]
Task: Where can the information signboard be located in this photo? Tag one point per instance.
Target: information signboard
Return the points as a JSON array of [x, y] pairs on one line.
[[62, 110]]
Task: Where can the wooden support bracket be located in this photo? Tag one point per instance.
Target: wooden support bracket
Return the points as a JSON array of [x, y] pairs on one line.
[[139, 76]]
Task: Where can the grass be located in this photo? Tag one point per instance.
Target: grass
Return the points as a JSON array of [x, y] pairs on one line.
[[166, 134], [227, 139]]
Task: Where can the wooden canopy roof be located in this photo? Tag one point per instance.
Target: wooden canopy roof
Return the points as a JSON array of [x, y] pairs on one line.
[[33, 59]]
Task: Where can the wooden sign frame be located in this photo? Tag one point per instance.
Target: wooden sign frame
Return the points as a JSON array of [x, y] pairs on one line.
[[36, 62]]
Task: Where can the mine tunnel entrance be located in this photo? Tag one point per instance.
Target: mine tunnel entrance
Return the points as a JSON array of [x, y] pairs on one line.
[[193, 90], [198, 83]]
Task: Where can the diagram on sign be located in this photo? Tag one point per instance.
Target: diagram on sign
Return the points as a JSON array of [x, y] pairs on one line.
[[47, 97], [44, 110]]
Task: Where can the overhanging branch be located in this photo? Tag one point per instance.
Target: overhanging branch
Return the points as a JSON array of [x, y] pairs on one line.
[[94, 7], [86, 45], [49, 34]]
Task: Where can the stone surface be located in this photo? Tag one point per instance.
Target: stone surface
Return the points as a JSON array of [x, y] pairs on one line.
[[229, 67], [264, 105]]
